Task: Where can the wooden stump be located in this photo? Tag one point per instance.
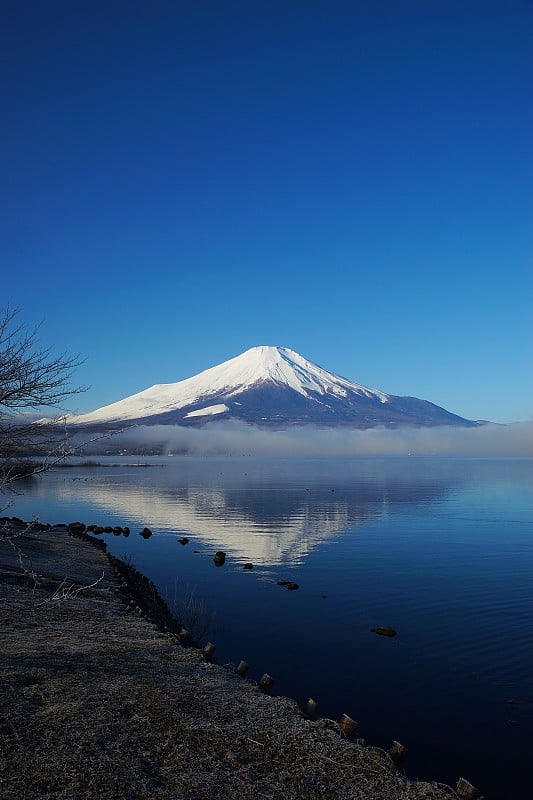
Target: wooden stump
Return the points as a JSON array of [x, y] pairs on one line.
[[397, 752], [311, 707], [347, 724], [209, 649], [184, 636], [266, 683], [466, 790]]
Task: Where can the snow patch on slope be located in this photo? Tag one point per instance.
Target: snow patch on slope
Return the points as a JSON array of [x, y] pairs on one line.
[[219, 408]]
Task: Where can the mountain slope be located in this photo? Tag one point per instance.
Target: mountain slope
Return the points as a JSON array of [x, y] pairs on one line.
[[270, 387]]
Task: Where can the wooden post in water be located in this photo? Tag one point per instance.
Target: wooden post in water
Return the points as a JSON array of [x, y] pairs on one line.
[[347, 724], [266, 683], [466, 790], [243, 668], [397, 752]]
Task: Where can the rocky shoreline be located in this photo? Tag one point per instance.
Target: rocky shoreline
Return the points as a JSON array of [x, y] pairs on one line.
[[104, 696]]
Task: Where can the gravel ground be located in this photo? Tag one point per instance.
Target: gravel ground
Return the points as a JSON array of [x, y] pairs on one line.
[[98, 702]]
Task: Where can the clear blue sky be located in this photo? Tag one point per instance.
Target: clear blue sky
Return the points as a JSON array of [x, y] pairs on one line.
[[354, 180]]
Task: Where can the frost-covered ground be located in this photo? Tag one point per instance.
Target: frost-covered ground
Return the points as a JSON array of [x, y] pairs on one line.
[[97, 704]]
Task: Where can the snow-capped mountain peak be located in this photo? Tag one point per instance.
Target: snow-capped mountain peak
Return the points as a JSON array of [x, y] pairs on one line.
[[282, 366], [268, 386]]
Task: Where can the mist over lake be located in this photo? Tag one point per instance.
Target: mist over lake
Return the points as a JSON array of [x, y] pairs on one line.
[[440, 549]]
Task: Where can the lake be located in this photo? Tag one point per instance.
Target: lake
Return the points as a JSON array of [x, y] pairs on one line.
[[439, 549]]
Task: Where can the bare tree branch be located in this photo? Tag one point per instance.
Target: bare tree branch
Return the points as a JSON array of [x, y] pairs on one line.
[[31, 378], [66, 591], [25, 562]]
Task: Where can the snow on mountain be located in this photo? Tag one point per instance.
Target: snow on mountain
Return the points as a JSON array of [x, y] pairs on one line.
[[210, 411], [268, 386], [255, 366]]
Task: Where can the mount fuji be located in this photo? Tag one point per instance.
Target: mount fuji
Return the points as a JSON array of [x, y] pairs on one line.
[[270, 387]]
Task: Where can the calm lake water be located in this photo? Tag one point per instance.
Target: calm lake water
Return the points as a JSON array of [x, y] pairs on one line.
[[441, 550]]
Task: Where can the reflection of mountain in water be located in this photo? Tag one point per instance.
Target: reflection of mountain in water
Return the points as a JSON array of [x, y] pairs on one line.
[[253, 518], [275, 539]]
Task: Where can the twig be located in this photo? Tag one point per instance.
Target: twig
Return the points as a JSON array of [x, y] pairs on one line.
[[29, 571], [64, 592]]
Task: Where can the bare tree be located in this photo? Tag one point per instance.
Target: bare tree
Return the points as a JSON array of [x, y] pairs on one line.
[[32, 378]]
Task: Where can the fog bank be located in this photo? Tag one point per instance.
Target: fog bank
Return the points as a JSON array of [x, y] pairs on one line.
[[236, 439]]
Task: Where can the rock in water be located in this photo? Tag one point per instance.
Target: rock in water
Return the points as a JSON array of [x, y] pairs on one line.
[[385, 630]]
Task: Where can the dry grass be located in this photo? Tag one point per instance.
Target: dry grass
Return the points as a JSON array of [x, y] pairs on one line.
[[98, 703]]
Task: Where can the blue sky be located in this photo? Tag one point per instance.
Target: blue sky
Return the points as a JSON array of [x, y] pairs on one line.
[[185, 180]]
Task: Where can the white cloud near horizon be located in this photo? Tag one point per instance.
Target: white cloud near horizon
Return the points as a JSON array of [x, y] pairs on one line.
[[235, 438]]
